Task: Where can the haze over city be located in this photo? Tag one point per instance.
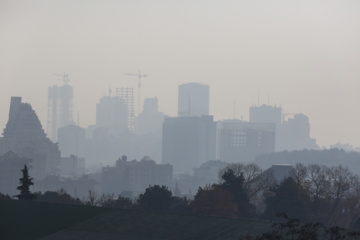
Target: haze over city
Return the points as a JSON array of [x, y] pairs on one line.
[[302, 55]]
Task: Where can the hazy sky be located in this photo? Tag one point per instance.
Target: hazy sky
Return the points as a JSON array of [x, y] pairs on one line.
[[304, 54]]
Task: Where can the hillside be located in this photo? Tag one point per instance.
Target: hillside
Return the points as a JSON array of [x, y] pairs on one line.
[[56, 221]]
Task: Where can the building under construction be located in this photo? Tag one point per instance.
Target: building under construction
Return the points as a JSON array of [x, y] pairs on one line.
[[60, 108], [116, 113]]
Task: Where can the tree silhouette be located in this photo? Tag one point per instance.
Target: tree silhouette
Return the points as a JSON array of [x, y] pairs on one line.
[[235, 185], [215, 201], [156, 198], [24, 187]]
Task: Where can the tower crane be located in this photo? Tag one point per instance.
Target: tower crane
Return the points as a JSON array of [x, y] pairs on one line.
[[65, 77], [139, 75]]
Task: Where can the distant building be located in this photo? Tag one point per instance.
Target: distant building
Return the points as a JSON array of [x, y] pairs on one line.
[[193, 100], [295, 134], [240, 141], [188, 142], [72, 167], [281, 171], [111, 113], [79, 188], [207, 174], [150, 120], [24, 136], [268, 114], [135, 176], [10, 172], [71, 140], [60, 108], [290, 134], [209, 171]]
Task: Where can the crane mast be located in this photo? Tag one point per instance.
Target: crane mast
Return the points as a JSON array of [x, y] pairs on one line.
[[140, 76]]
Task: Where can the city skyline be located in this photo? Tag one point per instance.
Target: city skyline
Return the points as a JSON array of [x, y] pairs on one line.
[[304, 58]]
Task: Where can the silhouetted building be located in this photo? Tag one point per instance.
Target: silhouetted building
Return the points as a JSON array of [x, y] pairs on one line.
[[292, 134], [79, 188], [240, 141], [72, 167], [10, 172], [209, 171], [135, 176], [150, 120], [280, 172], [188, 142], [265, 114], [111, 113], [60, 108], [295, 134], [193, 100], [71, 140], [24, 136], [268, 114]]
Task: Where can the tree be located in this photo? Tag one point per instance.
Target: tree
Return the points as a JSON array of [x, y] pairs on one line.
[[215, 201], [289, 197], [24, 187], [107, 200], [60, 196], [92, 199], [156, 198], [235, 185], [255, 181]]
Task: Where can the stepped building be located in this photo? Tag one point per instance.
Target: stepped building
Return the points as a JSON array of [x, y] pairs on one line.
[[24, 136]]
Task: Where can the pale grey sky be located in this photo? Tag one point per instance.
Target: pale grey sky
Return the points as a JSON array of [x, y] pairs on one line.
[[304, 54]]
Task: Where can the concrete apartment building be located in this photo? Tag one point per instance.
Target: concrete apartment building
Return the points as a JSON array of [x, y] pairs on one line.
[[135, 176]]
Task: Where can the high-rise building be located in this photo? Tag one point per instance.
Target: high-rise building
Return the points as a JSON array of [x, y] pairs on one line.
[[188, 142], [60, 108], [24, 136], [193, 100], [295, 134], [291, 133], [240, 141], [111, 113], [268, 114], [116, 113], [150, 119]]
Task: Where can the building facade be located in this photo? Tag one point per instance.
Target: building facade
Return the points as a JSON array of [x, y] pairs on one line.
[[240, 141], [60, 109], [193, 100], [24, 136], [135, 176], [188, 142]]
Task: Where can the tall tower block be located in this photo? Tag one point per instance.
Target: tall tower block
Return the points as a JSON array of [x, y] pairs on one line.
[[193, 100], [60, 109]]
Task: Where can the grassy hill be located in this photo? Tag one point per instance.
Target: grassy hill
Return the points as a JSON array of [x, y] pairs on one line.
[[34, 220]]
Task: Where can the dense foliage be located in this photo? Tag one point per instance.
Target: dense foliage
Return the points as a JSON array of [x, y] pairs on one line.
[[24, 187]]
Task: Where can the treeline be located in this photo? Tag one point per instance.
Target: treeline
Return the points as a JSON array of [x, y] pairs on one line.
[[312, 193]]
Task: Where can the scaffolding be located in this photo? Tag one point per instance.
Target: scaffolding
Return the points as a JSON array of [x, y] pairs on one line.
[[60, 109], [127, 94]]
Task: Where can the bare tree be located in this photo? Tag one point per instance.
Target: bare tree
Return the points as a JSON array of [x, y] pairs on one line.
[[92, 199], [255, 181], [299, 174]]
